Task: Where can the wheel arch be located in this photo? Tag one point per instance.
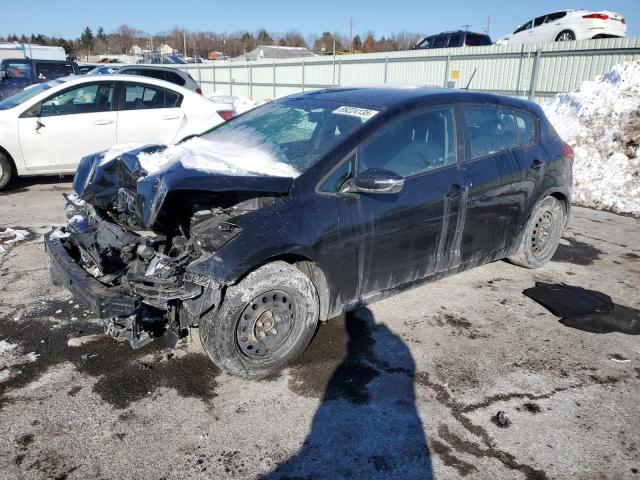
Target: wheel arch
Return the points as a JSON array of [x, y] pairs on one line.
[[12, 162]]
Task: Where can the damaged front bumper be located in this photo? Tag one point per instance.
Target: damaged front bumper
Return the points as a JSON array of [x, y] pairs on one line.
[[123, 280]]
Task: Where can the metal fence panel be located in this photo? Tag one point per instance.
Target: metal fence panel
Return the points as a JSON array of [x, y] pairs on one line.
[[535, 71]]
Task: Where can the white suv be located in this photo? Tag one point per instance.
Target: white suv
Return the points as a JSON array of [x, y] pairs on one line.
[[568, 25]]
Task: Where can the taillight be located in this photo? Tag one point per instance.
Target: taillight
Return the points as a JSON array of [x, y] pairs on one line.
[[226, 114], [597, 16], [567, 151], [199, 91]]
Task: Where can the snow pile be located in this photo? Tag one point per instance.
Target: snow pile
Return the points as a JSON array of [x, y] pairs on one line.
[[240, 104], [11, 355], [239, 154], [11, 236], [601, 121]]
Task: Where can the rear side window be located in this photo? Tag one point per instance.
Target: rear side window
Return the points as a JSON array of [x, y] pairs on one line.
[[555, 16], [175, 78], [455, 40], [51, 71], [477, 40], [526, 125], [142, 97], [489, 130]]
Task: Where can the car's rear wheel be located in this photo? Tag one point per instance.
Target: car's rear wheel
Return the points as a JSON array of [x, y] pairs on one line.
[[263, 323], [5, 171], [565, 36], [541, 235]]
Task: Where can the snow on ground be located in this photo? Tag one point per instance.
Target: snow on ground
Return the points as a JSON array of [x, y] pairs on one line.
[[10, 236], [11, 356], [601, 121], [238, 154]]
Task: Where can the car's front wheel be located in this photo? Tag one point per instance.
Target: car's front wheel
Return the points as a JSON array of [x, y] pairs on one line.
[[263, 323], [541, 235], [5, 171], [565, 36]]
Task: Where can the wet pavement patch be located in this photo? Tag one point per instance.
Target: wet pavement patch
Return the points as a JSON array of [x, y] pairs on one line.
[[337, 363], [122, 378], [577, 252], [587, 310]]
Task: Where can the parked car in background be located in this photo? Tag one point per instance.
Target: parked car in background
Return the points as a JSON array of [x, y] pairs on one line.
[[47, 128], [459, 38], [168, 74], [305, 208], [84, 68], [18, 73], [566, 25]]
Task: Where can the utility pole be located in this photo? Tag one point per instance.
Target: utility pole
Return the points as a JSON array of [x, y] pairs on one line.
[[184, 42], [466, 27], [488, 24], [350, 34]]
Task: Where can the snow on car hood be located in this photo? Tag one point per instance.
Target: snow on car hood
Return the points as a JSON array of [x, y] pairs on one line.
[[236, 155], [138, 181]]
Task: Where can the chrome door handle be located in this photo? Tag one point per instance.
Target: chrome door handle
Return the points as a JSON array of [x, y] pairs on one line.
[[103, 122], [170, 117]]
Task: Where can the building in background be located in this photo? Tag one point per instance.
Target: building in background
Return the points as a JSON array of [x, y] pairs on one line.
[[272, 51]]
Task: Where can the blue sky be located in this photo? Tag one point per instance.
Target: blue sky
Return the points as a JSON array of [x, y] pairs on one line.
[[68, 18]]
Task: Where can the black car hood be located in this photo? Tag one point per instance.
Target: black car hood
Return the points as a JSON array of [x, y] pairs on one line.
[[122, 184]]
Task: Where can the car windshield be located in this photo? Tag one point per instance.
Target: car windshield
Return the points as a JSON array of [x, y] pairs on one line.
[[27, 93], [298, 132]]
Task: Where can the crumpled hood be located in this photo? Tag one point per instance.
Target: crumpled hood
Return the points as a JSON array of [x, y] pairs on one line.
[[122, 184]]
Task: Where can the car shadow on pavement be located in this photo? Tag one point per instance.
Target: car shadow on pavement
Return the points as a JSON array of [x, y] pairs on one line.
[[367, 425], [50, 182]]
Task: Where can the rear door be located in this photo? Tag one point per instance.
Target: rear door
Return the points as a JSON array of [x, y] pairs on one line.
[[69, 125], [148, 113], [500, 181]]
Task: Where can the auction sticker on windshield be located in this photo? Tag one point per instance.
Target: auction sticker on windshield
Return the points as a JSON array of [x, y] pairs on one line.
[[363, 113]]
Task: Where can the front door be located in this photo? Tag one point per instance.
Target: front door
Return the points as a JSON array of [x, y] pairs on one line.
[[404, 237], [71, 124]]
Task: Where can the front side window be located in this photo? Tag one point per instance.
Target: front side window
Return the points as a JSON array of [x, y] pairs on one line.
[[526, 26], [455, 40], [412, 145], [489, 130], [426, 43], [337, 179], [440, 41], [477, 40], [297, 132], [142, 97], [539, 21], [89, 98]]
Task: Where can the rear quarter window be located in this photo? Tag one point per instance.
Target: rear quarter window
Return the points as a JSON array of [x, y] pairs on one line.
[[175, 78], [51, 71], [526, 124]]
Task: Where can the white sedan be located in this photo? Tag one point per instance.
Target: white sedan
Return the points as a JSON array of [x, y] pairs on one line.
[[47, 128], [568, 25]]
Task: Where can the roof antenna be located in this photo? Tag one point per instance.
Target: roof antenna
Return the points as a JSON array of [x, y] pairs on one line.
[[470, 80]]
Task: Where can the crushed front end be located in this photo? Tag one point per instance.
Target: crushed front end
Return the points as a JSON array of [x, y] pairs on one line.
[[135, 280]]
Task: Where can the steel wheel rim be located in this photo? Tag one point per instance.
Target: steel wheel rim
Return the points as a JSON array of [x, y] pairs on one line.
[[265, 324], [543, 231]]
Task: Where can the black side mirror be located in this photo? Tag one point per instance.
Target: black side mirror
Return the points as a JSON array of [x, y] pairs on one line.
[[375, 180]]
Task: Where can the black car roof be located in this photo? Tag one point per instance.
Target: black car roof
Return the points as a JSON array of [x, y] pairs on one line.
[[390, 97]]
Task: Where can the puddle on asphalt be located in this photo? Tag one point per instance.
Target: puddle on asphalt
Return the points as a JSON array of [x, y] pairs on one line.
[[124, 375], [336, 363], [587, 310], [577, 252]]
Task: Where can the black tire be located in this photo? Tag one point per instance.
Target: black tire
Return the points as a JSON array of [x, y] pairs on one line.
[[541, 235], [235, 344], [5, 171], [565, 36]]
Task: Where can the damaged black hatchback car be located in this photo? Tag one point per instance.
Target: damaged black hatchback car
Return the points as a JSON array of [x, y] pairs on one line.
[[305, 208]]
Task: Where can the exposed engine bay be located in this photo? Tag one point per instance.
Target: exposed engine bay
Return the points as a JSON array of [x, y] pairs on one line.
[[115, 248]]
